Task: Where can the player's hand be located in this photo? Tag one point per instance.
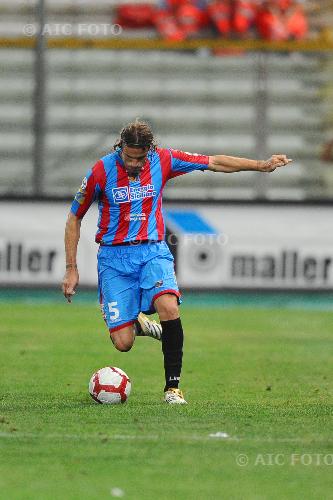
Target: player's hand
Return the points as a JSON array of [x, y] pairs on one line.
[[274, 162], [70, 283]]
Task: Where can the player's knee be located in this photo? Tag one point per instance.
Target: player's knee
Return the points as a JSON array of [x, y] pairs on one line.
[[122, 340], [122, 345], [171, 311], [167, 307]]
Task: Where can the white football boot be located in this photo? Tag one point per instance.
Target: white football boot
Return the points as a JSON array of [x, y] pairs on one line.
[[148, 328], [174, 396]]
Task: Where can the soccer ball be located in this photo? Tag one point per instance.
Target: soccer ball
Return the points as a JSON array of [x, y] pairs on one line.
[[110, 385]]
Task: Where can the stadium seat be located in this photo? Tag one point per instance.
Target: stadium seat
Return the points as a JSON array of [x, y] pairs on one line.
[[195, 103]]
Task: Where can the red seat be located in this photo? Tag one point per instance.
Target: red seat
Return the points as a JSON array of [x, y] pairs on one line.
[[135, 15]]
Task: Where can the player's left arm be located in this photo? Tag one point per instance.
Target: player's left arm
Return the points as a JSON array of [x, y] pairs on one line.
[[230, 164]]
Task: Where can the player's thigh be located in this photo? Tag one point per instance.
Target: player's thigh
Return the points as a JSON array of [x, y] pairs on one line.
[[119, 297], [158, 279]]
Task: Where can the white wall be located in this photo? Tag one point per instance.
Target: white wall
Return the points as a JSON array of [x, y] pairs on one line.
[[266, 246]]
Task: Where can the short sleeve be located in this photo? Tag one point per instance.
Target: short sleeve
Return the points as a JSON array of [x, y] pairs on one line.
[[183, 163], [89, 190]]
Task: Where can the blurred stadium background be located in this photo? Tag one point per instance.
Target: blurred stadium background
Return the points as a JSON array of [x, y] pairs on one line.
[[74, 72], [245, 101]]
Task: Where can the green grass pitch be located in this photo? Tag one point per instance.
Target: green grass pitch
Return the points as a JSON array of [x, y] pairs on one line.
[[262, 376]]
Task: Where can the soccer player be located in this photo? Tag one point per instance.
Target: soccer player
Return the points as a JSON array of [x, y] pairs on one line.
[[135, 266]]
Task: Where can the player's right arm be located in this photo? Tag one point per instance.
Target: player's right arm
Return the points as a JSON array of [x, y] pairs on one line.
[[89, 190], [72, 236]]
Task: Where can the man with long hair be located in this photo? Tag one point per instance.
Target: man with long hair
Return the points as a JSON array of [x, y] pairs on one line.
[[135, 266]]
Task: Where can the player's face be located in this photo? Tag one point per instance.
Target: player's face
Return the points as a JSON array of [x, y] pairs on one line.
[[134, 159]]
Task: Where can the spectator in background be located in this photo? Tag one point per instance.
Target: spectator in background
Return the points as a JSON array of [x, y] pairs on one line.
[[180, 19], [244, 15], [281, 20], [327, 152], [294, 18], [270, 23], [220, 14], [135, 16]]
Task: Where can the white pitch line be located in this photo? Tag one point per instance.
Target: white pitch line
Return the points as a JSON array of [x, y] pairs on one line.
[[30, 435], [155, 437]]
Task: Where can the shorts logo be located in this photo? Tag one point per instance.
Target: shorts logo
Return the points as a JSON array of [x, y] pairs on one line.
[[125, 194], [120, 195], [102, 311]]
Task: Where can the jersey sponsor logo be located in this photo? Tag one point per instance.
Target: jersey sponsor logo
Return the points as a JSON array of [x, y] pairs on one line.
[[120, 195], [135, 217], [125, 194], [138, 193]]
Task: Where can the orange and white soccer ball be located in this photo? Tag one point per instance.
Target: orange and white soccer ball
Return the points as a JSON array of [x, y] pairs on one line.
[[110, 385]]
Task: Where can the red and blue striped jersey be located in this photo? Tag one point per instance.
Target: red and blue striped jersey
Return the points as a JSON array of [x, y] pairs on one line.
[[132, 210]]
